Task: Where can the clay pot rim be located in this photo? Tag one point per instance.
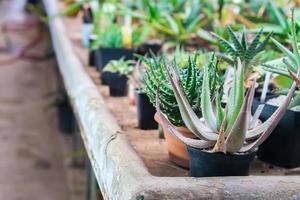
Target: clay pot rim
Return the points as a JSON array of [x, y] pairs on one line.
[[182, 129]]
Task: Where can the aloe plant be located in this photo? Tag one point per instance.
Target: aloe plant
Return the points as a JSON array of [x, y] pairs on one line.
[[191, 77], [228, 130]]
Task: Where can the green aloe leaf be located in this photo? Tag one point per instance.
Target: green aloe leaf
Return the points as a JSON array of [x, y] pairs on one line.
[[238, 96], [280, 17], [237, 134], [219, 111], [206, 105], [173, 24], [285, 51], [294, 41]]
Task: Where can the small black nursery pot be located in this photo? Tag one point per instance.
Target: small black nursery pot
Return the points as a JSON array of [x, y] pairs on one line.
[[91, 55], [283, 146], [118, 84], [104, 55], [145, 112], [205, 164], [87, 16]]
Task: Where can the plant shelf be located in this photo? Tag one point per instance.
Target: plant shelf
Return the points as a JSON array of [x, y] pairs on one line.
[[130, 163]]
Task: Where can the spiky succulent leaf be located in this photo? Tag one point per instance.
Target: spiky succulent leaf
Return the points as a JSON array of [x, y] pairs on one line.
[[156, 77], [243, 41], [238, 46], [263, 44], [253, 45], [226, 45], [191, 120]]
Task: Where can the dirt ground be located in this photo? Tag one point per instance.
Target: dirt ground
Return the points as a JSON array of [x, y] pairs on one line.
[[33, 164]]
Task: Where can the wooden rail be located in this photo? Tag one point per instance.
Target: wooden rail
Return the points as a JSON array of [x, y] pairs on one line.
[[120, 172]]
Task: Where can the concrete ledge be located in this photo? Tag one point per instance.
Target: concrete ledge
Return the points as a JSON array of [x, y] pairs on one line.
[[120, 172]]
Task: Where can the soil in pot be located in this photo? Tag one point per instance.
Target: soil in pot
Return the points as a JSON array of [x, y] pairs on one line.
[[206, 164], [118, 84], [283, 145], [145, 112], [177, 150]]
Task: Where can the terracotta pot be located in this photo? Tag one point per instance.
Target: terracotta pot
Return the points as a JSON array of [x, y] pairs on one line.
[[177, 150]]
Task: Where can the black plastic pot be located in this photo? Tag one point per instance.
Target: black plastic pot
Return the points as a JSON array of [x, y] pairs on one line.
[[87, 16], [104, 55], [91, 58], [66, 118], [118, 84], [145, 112], [146, 49], [205, 164], [283, 145], [91, 55]]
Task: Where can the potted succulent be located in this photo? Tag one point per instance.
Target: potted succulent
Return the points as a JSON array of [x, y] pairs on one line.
[[117, 72], [286, 133], [191, 76], [227, 138]]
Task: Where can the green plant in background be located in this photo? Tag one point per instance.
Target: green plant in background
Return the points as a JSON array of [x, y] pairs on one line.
[[181, 57], [73, 7], [229, 130], [276, 21], [240, 48], [110, 37], [288, 66], [177, 22], [122, 67], [191, 79]]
